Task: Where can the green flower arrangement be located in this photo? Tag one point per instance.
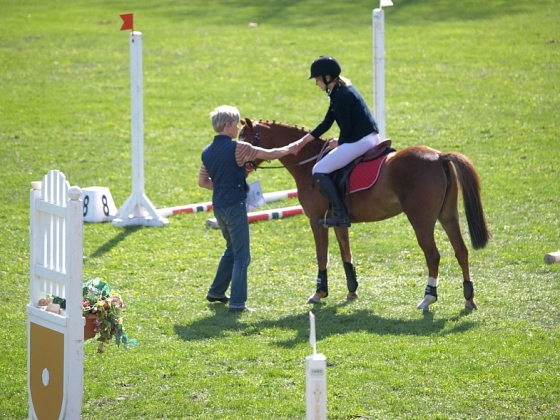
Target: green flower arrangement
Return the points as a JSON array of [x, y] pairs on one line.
[[108, 308]]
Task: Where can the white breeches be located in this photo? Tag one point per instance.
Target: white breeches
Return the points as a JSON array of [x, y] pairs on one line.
[[345, 153]]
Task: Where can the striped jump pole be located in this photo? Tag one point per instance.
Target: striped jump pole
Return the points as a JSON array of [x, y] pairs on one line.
[[207, 206], [256, 216], [552, 257]]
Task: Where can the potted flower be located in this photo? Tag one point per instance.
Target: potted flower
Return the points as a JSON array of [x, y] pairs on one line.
[[103, 310]]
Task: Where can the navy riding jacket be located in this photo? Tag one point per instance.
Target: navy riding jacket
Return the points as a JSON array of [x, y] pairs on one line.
[[350, 111]]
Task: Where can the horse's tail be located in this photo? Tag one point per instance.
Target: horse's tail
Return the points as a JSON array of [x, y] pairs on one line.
[[469, 182]]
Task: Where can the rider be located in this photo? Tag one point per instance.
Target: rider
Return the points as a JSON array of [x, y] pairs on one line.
[[358, 132]]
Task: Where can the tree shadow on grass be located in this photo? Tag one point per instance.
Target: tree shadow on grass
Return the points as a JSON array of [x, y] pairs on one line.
[[111, 243], [330, 320]]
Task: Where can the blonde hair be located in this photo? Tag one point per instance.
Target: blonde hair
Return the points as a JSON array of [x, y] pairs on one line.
[[222, 115], [344, 81]]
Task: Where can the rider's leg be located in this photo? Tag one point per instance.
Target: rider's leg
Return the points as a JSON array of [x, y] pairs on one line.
[[328, 189], [336, 159]]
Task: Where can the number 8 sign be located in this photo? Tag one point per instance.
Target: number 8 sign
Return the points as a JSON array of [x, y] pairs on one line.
[[98, 204]]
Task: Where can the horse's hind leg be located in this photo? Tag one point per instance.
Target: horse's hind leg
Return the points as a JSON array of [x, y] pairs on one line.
[[425, 237], [423, 223], [449, 219], [346, 254]]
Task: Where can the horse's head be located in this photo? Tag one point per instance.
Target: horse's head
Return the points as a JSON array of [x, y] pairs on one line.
[[270, 135]]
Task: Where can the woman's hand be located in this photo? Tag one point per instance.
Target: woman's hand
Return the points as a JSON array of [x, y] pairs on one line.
[[332, 143], [295, 147]]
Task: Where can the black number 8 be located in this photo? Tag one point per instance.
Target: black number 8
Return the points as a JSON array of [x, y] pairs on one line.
[[86, 202], [105, 206]]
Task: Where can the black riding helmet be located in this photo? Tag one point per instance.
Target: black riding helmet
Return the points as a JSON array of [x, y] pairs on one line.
[[323, 66]]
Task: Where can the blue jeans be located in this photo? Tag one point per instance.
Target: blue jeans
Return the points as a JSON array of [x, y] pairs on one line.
[[236, 258]]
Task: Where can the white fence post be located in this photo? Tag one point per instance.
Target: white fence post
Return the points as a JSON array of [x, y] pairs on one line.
[[55, 353]]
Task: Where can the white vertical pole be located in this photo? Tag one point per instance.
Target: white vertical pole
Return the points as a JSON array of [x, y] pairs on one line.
[[379, 70], [137, 113], [74, 337], [137, 209], [316, 379]]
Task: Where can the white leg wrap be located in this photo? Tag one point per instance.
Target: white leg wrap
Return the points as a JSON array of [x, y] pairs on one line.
[[426, 302]]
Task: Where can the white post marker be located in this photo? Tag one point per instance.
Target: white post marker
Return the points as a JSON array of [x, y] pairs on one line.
[[137, 209], [379, 66], [316, 379]]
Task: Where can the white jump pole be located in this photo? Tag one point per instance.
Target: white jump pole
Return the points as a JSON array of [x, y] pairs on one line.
[[207, 206], [315, 379], [379, 66], [137, 209]]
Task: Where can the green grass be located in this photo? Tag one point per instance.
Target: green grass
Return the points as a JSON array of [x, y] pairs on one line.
[[481, 78]]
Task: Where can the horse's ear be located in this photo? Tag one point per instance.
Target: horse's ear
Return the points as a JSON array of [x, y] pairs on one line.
[[247, 122]]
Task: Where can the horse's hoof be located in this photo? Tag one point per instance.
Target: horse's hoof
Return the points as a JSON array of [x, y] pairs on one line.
[[351, 296], [470, 304], [314, 299], [425, 304]]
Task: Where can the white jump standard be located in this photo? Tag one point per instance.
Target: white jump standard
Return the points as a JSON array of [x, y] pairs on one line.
[[379, 66], [137, 209]]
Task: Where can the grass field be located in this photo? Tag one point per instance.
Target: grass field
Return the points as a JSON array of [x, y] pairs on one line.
[[478, 77]]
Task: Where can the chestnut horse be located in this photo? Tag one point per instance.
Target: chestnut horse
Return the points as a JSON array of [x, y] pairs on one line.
[[419, 181]]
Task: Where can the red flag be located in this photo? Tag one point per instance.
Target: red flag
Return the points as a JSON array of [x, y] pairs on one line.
[[127, 22]]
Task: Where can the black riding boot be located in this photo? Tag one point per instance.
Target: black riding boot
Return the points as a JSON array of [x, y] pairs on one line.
[[329, 190]]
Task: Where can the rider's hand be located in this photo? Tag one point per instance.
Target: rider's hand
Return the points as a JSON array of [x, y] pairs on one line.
[[333, 143]]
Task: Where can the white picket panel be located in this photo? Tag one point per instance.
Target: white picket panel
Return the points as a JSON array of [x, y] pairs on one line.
[[55, 355]]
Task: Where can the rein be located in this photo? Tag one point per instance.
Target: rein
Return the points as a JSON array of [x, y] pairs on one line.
[[256, 142]]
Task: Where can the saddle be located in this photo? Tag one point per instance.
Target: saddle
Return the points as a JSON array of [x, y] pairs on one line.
[[363, 171]]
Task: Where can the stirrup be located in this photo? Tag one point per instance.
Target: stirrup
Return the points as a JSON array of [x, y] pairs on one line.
[[335, 222]]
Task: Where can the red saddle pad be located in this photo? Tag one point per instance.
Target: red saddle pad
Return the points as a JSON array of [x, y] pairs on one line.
[[365, 174]]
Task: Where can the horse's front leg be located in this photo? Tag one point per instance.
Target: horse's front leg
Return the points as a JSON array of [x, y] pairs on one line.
[[321, 236], [346, 254]]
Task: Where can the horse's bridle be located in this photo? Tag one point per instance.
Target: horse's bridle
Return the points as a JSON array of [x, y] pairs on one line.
[[252, 165]]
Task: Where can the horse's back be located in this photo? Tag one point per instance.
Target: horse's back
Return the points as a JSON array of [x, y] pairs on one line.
[[418, 177]]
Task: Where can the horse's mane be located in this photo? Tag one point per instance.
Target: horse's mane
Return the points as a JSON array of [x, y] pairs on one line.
[[283, 125], [290, 127]]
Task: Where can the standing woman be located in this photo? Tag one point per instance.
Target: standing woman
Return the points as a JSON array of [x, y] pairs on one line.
[[223, 172], [358, 132]]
